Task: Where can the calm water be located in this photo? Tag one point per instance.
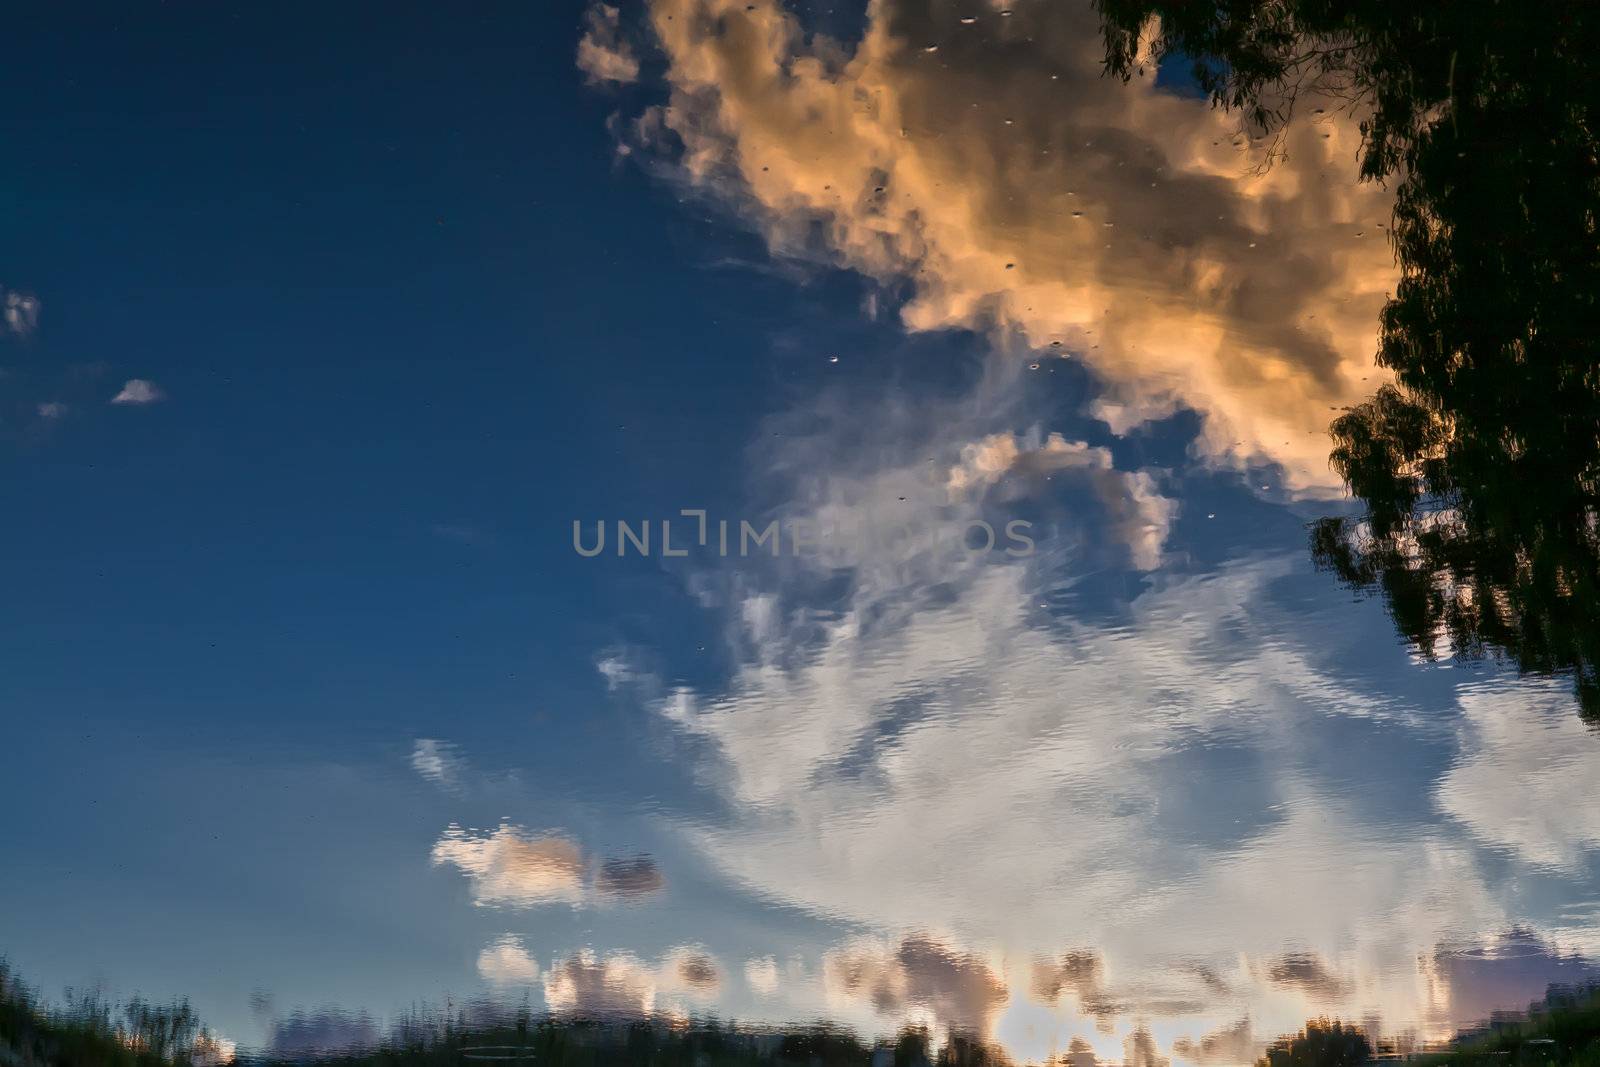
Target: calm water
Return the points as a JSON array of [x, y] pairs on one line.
[[737, 508]]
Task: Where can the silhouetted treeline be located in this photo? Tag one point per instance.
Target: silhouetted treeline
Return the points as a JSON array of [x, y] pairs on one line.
[[1321, 1044], [1480, 469], [658, 1042], [1561, 1031], [88, 1031]]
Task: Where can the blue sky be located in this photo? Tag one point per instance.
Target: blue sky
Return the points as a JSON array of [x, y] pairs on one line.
[[414, 292]]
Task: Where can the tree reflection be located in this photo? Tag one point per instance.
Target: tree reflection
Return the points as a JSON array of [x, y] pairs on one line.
[[1480, 468], [1320, 1044]]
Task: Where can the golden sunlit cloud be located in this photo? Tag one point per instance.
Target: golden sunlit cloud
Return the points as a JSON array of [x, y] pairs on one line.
[[992, 167], [510, 866], [602, 53]]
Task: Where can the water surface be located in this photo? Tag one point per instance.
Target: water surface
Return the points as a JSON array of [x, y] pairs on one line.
[[950, 418]]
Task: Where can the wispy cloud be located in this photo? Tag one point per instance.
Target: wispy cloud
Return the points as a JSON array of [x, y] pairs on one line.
[[19, 312], [1526, 733], [617, 671], [918, 726], [1139, 514], [602, 53], [137, 392], [437, 761]]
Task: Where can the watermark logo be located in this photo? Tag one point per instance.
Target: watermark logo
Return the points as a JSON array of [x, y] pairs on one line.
[[697, 533]]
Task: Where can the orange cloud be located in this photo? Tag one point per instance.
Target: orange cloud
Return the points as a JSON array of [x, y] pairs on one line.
[[991, 166]]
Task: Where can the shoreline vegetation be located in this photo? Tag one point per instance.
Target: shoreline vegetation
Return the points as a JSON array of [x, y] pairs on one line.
[[88, 1030]]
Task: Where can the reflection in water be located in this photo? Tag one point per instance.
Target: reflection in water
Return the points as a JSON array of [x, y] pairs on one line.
[[1481, 470], [1050, 821], [988, 164], [1145, 794], [1320, 1044]]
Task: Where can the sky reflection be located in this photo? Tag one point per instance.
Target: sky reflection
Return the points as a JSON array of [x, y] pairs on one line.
[[1152, 790]]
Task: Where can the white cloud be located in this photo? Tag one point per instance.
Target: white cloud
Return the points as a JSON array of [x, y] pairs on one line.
[[762, 975], [1137, 512], [1526, 767], [138, 391], [508, 866], [506, 962], [932, 748], [1025, 785], [53, 409], [616, 671], [583, 984], [437, 761], [511, 866]]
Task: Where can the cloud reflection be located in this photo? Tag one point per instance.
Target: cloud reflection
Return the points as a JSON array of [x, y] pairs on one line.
[[918, 976], [509, 866], [993, 170], [912, 740], [629, 878]]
